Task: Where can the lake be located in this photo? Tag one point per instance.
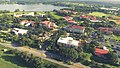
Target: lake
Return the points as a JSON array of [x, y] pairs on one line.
[[33, 7]]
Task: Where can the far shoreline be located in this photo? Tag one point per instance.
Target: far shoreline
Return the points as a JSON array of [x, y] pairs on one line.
[[30, 7]]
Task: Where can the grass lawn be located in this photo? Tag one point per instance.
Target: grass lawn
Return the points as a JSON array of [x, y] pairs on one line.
[[115, 21], [10, 60], [80, 4], [4, 64], [6, 32], [116, 37], [11, 13], [112, 37], [55, 15], [99, 14], [0, 14], [108, 43]]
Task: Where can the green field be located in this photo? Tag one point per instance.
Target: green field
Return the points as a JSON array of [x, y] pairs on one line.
[[8, 60], [99, 14], [21, 12], [112, 37], [116, 37], [115, 21], [55, 15]]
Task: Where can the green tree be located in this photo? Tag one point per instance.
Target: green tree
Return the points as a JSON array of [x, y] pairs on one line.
[[69, 53], [112, 56], [17, 10]]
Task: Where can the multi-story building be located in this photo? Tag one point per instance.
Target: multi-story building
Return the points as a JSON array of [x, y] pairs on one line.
[[68, 42]]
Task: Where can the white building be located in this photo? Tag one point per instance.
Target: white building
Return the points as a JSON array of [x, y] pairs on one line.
[[17, 15], [19, 31], [94, 21], [105, 48], [111, 9], [41, 15], [68, 41]]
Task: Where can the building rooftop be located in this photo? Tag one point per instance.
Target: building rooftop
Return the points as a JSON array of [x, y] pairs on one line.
[[19, 31], [49, 24], [106, 29], [72, 21], [101, 51], [27, 22], [79, 27], [69, 41], [68, 18]]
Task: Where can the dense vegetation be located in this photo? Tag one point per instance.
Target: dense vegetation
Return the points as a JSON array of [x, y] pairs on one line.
[[84, 54], [33, 61], [17, 59], [9, 60]]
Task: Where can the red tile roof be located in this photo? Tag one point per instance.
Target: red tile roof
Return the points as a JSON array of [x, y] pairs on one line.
[[79, 27], [68, 18], [72, 21], [118, 21], [74, 12], [32, 22], [105, 29], [89, 16], [84, 16], [26, 21], [101, 51], [48, 24]]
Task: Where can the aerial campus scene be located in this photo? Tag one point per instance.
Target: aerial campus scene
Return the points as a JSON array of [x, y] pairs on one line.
[[59, 33]]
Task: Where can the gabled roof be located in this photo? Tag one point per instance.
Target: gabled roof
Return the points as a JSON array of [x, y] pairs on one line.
[[46, 22], [26, 22], [78, 27], [89, 16], [118, 21], [49, 24], [68, 18], [101, 51], [72, 21], [106, 29]]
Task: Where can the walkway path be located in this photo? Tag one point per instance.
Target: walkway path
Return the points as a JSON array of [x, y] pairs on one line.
[[40, 54]]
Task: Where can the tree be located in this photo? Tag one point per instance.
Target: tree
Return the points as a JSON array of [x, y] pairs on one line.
[[112, 22], [112, 56], [17, 10], [69, 53]]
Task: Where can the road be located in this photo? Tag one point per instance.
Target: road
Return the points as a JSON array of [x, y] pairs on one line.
[[39, 53]]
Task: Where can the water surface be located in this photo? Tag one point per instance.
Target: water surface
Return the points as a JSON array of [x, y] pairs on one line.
[[34, 7]]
